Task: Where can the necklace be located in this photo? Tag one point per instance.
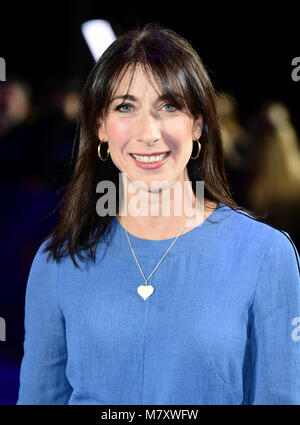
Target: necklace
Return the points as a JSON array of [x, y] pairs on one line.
[[146, 290]]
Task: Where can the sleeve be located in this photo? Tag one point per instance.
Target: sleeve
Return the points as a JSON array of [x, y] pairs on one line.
[[42, 375], [275, 328]]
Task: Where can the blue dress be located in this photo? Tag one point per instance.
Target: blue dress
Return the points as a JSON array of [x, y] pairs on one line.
[[222, 326]]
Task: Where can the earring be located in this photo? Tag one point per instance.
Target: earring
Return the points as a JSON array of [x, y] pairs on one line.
[[199, 149], [99, 154]]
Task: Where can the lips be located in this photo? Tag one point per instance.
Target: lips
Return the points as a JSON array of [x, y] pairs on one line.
[[151, 165], [149, 154]]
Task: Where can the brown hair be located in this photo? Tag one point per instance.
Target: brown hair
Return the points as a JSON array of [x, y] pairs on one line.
[[181, 76]]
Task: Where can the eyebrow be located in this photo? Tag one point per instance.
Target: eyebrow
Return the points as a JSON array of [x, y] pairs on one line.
[[135, 99]]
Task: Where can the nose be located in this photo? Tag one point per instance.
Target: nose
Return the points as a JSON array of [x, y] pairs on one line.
[[150, 142], [149, 130]]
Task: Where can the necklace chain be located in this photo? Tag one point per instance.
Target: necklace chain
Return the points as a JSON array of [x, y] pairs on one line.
[[146, 280]]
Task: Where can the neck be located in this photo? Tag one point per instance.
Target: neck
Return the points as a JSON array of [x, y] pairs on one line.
[[161, 215]]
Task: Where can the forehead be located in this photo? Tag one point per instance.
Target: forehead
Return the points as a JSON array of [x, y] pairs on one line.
[[136, 79]]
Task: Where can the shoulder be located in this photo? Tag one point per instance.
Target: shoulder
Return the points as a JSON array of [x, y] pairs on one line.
[[257, 232], [43, 267], [42, 256], [276, 248], [42, 282], [256, 240]]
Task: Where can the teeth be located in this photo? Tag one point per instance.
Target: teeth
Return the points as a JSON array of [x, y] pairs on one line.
[[150, 158]]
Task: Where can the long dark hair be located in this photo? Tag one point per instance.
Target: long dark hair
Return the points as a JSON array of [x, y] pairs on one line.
[[181, 75]]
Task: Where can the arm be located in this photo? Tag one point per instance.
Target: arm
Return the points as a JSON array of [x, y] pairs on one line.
[[274, 374], [42, 376]]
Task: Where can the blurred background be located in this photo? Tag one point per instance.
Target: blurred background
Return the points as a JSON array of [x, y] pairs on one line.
[[247, 48]]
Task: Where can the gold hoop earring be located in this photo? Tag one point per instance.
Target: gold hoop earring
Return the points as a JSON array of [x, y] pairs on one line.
[[99, 154], [199, 149]]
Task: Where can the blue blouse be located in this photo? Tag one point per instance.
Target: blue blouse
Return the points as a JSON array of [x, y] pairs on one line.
[[222, 326]]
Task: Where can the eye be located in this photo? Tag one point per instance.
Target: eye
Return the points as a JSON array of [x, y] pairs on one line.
[[118, 108], [123, 105], [172, 106]]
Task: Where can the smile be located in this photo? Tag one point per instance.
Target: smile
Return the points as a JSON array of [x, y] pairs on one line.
[[150, 161], [150, 158]]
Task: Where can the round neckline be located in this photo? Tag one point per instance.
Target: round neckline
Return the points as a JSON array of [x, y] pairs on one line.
[[162, 241]]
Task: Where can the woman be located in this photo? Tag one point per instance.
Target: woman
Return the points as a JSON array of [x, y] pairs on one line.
[[157, 308]]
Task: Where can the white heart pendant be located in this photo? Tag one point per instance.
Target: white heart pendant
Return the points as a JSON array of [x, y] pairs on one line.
[[145, 291]]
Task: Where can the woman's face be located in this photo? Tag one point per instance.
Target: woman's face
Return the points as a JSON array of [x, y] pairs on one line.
[[145, 126]]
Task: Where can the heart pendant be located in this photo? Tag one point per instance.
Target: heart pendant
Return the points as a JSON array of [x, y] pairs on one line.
[[145, 291]]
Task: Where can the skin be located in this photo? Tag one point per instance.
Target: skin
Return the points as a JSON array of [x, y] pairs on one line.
[[146, 126]]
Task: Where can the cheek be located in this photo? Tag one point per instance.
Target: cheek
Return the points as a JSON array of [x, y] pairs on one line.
[[179, 135], [180, 127], [118, 131]]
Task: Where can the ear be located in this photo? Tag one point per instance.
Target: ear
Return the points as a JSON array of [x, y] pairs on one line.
[[101, 130], [197, 127]]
